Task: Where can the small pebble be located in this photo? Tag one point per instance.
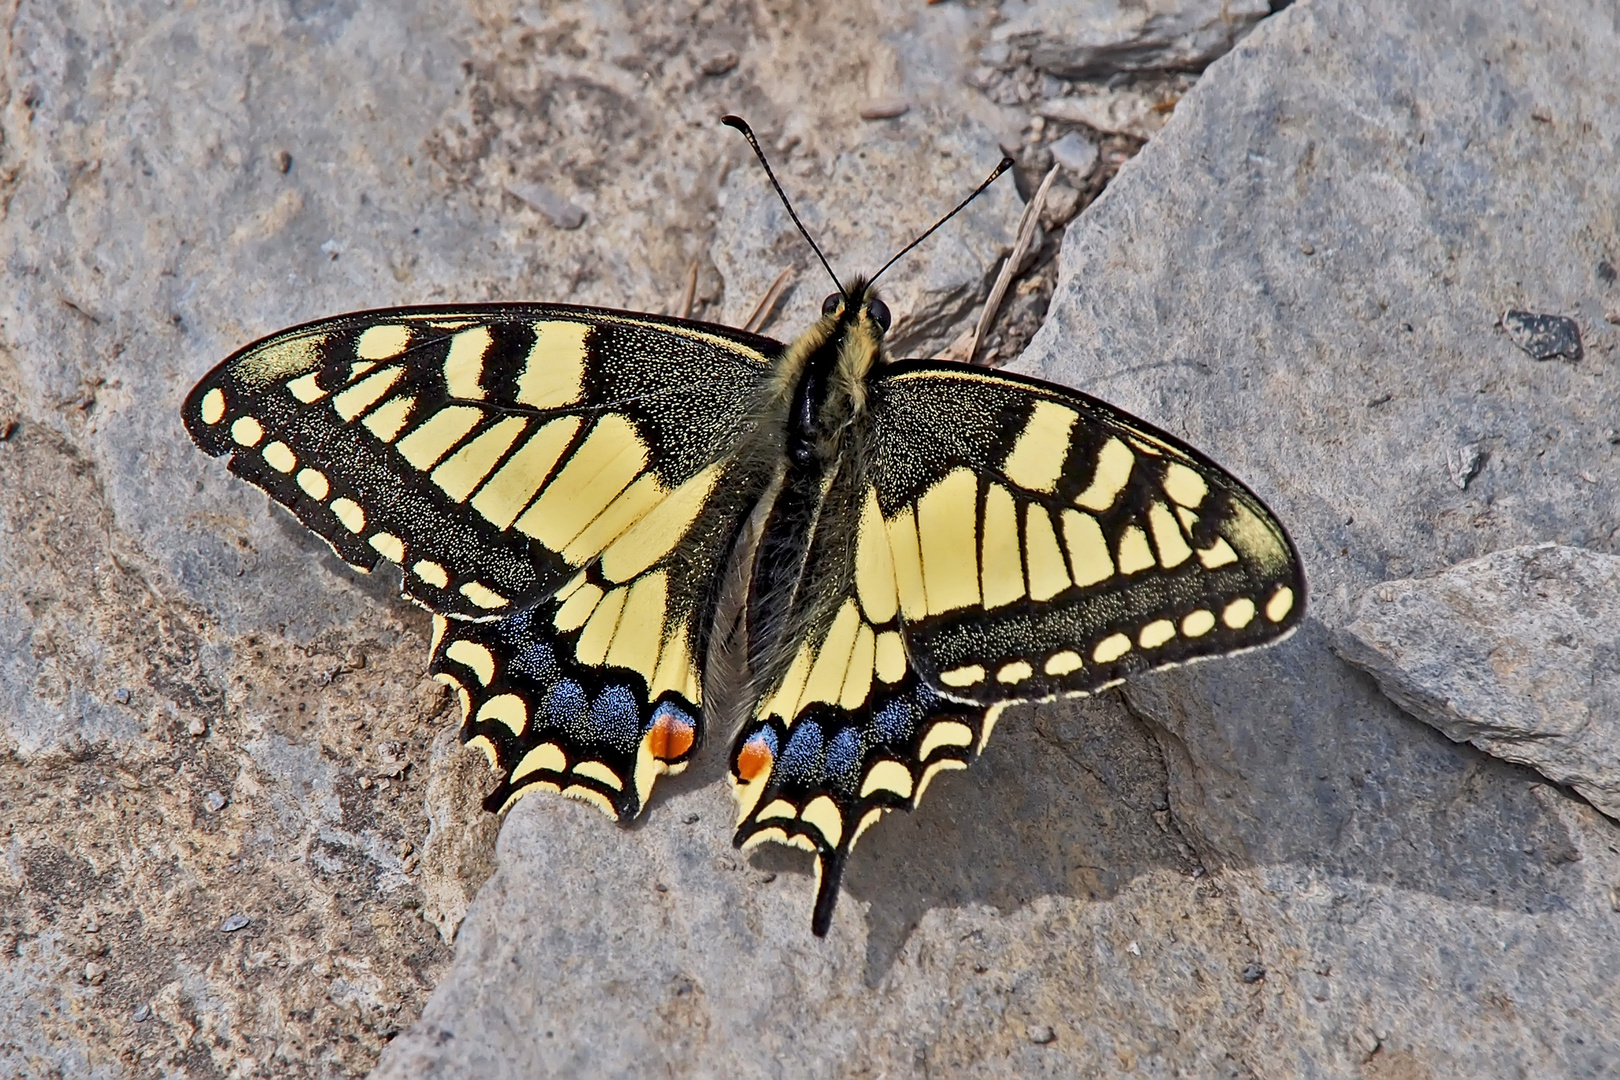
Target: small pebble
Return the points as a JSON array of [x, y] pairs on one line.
[[365, 783], [94, 973], [122, 695], [692, 819], [1253, 973], [283, 161], [197, 727], [215, 800], [233, 924], [1041, 1034], [1076, 153], [885, 109], [556, 208], [143, 1013], [1134, 949], [1544, 336], [722, 64]]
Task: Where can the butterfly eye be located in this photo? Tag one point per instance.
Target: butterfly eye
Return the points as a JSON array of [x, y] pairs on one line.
[[829, 306], [879, 312]]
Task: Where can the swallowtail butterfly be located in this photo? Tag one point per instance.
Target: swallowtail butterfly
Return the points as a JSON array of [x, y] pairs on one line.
[[566, 489]]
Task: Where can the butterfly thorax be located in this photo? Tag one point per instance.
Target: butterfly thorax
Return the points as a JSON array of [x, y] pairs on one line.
[[825, 434]]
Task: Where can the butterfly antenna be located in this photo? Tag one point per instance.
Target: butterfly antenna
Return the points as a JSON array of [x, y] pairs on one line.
[[748, 133], [1006, 163]]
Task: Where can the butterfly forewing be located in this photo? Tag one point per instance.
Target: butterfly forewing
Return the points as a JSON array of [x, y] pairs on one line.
[[1086, 544], [553, 482]]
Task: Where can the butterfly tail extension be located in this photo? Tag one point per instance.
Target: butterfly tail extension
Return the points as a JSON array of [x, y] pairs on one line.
[[820, 782]]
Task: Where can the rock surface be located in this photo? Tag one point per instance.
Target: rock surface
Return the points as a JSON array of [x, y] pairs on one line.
[[1517, 652], [1308, 287], [1079, 39], [1258, 867]]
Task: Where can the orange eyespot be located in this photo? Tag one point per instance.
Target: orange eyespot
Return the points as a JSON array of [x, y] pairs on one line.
[[754, 760], [669, 737]]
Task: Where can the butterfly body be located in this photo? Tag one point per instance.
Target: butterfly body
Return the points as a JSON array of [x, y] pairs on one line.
[[567, 490]]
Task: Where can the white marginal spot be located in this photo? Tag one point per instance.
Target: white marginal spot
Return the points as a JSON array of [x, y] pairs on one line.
[[822, 813], [279, 456], [593, 797], [432, 573], [247, 431], [213, 406], [1198, 623], [483, 595], [389, 547], [506, 708], [780, 808], [933, 770], [1063, 663], [1239, 613], [1111, 648], [472, 655], [886, 775], [599, 772], [944, 733], [962, 676], [1156, 633], [1015, 672], [547, 757], [349, 513], [1280, 604], [314, 484]]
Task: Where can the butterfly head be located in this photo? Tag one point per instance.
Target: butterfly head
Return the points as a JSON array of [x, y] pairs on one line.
[[854, 323]]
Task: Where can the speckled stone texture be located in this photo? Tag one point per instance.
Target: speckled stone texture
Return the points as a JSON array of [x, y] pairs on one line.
[[1260, 867], [1517, 652]]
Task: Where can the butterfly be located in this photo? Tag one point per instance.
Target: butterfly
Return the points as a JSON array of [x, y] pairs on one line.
[[921, 544]]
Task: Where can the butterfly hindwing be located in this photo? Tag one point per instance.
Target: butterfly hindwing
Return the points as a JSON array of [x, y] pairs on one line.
[[1010, 541], [518, 461]]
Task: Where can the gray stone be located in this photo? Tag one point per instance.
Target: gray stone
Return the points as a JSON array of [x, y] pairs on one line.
[[1112, 112], [1093, 39], [1075, 153], [1302, 274], [1517, 652]]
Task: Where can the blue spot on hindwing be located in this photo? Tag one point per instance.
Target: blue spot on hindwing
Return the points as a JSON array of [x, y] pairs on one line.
[[565, 704], [896, 722], [843, 761], [616, 718], [801, 759]]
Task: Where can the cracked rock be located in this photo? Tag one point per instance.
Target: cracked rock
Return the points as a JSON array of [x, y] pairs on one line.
[[1517, 653], [1093, 39]]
